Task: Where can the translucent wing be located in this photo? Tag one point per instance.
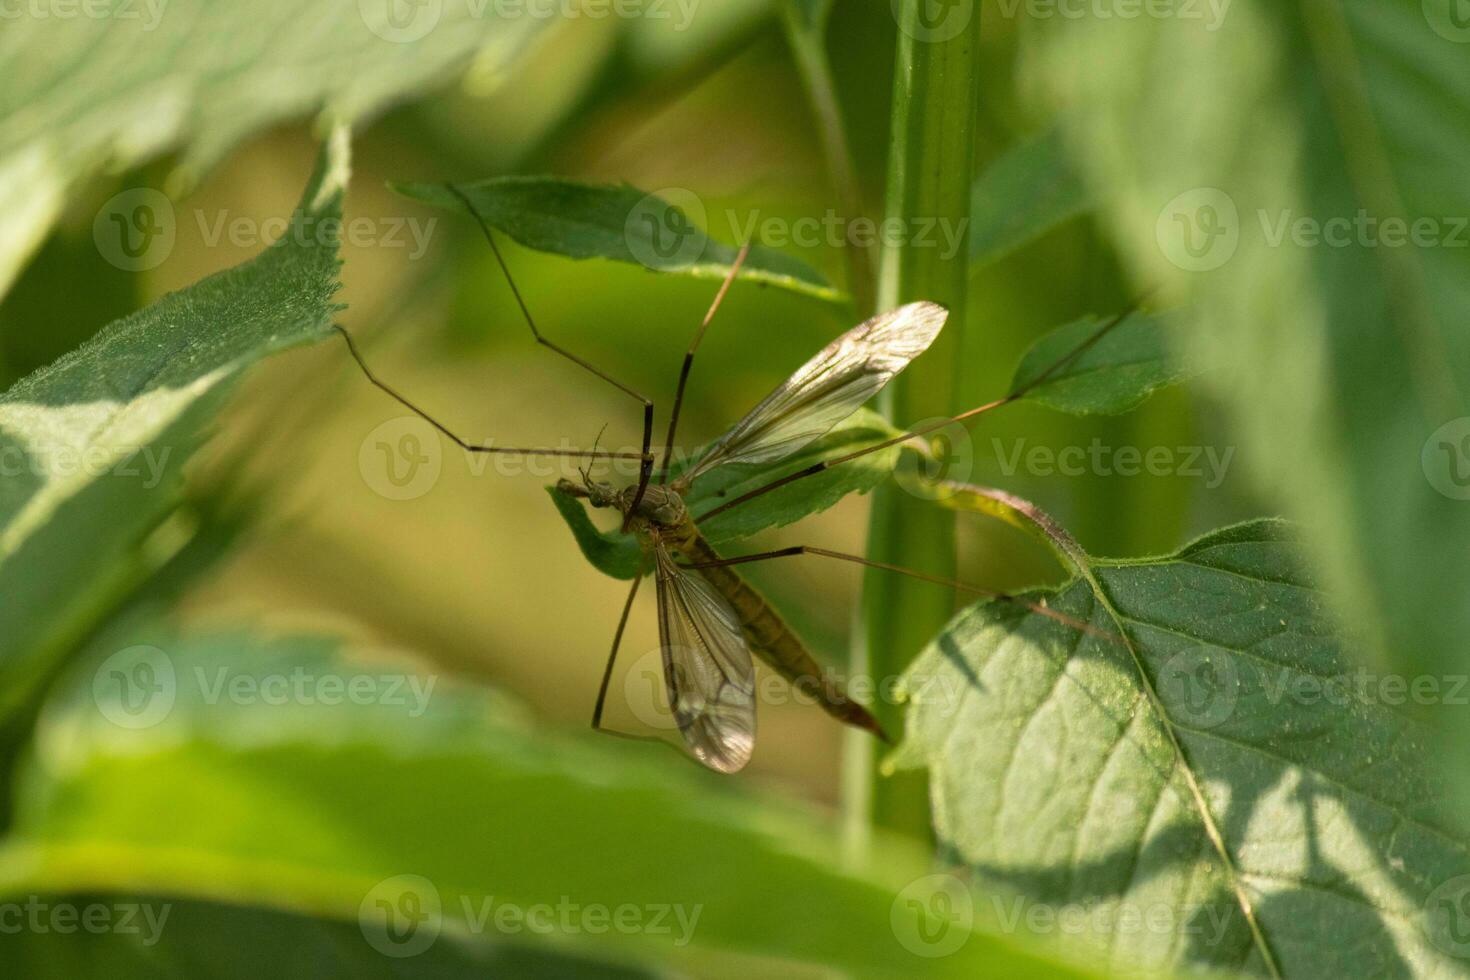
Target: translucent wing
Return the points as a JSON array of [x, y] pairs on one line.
[[826, 389], [707, 667]]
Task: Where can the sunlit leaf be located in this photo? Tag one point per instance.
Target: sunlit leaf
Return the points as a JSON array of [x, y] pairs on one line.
[[123, 82], [1286, 176], [616, 222], [94, 443], [1226, 757]]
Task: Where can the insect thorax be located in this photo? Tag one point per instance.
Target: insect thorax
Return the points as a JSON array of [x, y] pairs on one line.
[[661, 509]]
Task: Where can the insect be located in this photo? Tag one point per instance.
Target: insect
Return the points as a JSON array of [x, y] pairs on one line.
[[710, 620]]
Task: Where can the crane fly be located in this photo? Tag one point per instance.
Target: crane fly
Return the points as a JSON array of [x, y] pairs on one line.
[[710, 620]]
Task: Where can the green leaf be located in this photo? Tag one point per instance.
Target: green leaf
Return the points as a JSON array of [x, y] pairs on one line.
[[163, 938], [609, 552], [96, 440], [87, 94], [1341, 357], [617, 554], [618, 222], [1115, 375], [1029, 191], [1227, 756], [238, 769]]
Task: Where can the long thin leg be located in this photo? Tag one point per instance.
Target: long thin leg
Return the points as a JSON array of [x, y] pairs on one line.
[[613, 654], [470, 447], [1016, 395], [646, 470], [1035, 607], [663, 476]]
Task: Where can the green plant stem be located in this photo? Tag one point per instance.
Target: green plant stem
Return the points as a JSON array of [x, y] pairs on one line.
[[807, 40], [930, 168]]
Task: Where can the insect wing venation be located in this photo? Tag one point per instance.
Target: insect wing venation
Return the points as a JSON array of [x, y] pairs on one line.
[[827, 389], [707, 668]]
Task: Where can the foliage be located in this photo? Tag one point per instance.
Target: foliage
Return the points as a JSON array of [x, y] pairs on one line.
[[1194, 756], [1209, 753], [105, 431], [1339, 353]]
